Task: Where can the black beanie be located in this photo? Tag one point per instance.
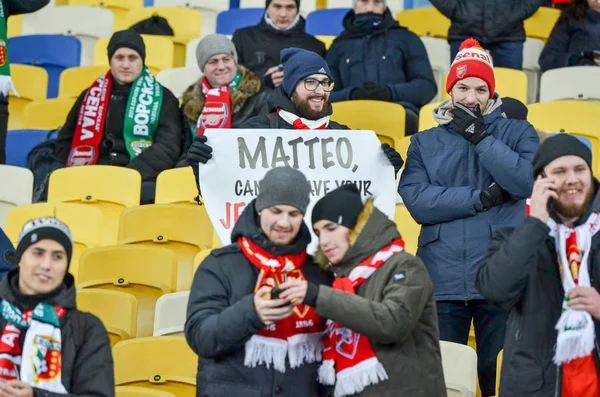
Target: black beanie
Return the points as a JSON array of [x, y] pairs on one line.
[[297, 3], [342, 206], [45, 229], [514, 109], [128, 39], [557, 146]]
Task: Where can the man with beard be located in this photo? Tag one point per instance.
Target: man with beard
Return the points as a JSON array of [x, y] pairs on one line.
[[546, 272]]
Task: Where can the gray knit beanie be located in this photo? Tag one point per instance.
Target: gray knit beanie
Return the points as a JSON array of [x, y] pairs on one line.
[[211, 45], [283, 186]]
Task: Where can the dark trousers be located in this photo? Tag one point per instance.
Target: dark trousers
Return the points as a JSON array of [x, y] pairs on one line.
[[489, 321], [3, 131], [148, 192], [412, 122], [508, 54]]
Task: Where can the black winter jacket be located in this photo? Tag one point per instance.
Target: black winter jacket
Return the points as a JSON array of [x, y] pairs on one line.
[[163, 153], [489, 21], [520, 271], [221, 319], [87, 363]]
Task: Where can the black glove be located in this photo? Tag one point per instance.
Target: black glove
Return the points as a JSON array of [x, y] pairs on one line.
[[199, 151], [493, 195], [468, 124], [393, 156], [583, 58], [370, 90]]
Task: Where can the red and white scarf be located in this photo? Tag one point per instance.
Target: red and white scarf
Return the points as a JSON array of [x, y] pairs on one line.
[[216, 112], [349, 361], [300, 123], [297, 337]]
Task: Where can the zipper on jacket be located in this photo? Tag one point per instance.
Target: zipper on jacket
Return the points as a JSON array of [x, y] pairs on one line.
[[556, 392]]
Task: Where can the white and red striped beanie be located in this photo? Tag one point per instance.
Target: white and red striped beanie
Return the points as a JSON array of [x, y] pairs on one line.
[[472, 61]]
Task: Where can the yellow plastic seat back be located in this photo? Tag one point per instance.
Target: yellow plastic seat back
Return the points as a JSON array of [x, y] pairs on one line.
[[74, 80], [18, 216], [409, 229], [202, 255], [425, 22], [426, 119], [164, 363], [327, 40], [31, 82], [132, 391], [499, 371], [159, 52], [541, 23], [176, 186], [509, 83], [117, 310], [47, 114]]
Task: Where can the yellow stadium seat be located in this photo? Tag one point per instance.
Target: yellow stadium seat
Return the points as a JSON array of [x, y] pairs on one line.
[[216, 242], [159, 52], [402, 148], [111, 189], [202, 255], [117, 310], [176, 186], [409, 229], [74, 80], [47, 114], [327, 40], [171, 226], [14, 26], [145, 272], [358, 115], [499, 371], [120, 8], [20, 215], [509, 83], [425, 22], [164, 363], [426, 120], [31, 83], [131, 391], [540, 24]]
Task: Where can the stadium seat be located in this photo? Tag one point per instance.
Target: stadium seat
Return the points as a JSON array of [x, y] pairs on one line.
[[20, 142], [306, 6], [159, 52], [575, 82], [47, 114], [20, 215], [31, 82], [20, 181], [54, 53], [130, 391], [409, 229], [190, 54], [74, 80], [111, 189], [358, 115], [438, 52], [327, 40], [460, 369], [119, 8], [427, 22], [117, 310], [14, 26], [179, 79], [170, 315], [145, 272], [176, 186], [395, 6], [499, 371], [532, 48], [509, 83], [168, 364], [231, 20], [171, 226], [426, 119], [207, 10], [202, 255], [326, 22], [540, 24]]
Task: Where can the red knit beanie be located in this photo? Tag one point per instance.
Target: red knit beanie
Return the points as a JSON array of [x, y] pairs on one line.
[[472, 61]]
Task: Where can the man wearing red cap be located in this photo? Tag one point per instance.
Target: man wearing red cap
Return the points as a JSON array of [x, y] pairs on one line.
[[462, 180]]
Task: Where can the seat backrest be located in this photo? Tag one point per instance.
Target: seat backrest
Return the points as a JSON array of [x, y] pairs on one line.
[[119, 8], [532, 48], [185, 22], [19, 216], [132, 391], [215, 5], [74, 80], [30, 81], [327, 40], [509, 83], [159, 52], [427, 22], [409, 229], [75, 20], [17, 189], [438, 52], [541, 23], [47, 114], [19, 143], [45, 49], [202, 255], [179, 79], [426, 119], [499, 370], [460, 367], [170, 315], [326, 22], [231, 20], [176, 186], [190, 53], [574, 82], [565, 116]]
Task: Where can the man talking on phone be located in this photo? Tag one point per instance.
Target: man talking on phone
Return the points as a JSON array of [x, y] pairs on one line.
[[546, 272], [249, 341], [462, 180]]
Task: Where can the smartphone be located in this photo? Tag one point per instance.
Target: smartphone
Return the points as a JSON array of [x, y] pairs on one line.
[[275, 293], [550, 200], [280, 68]]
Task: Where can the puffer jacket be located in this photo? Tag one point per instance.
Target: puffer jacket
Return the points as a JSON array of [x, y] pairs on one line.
[[441, 185]]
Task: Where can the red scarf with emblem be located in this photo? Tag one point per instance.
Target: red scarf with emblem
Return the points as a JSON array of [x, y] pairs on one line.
[[297, 337], [216, 112], [349, 361], [300, 123]]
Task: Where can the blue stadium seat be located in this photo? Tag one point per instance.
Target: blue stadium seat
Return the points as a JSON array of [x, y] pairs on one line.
[[231, 20], [326, 22], [408, 4], [54, 53], [20, 142], [148, 3]]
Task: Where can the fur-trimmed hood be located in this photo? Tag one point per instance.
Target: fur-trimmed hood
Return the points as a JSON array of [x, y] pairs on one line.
[[193, 98]]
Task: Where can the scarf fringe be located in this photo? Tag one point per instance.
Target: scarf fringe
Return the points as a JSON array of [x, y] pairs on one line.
[[6, 85], [326, 373], [354, 379], [575, 336], [267, 351], [305, 348]]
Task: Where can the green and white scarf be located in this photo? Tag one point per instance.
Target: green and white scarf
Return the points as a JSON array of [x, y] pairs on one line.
[[6, 83]]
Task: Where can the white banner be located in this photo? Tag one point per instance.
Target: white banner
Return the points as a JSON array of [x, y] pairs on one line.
[[328, 159]]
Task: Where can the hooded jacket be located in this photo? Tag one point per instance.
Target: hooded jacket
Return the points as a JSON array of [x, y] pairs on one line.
[[87, 364], [441, 185], [398, 315], [390, 56], [521, 272], [221, 318]]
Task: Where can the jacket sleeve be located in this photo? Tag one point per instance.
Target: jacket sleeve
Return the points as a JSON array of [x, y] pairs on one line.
[[511, 256], [523, 9], [430, 204], [24, 6], [392, 319], [339, 93], [420, 87], [511, 169], [214, 327], [556, 52], [447, 7], [256, 122], [239, 48], [67, 131], [166, 148]]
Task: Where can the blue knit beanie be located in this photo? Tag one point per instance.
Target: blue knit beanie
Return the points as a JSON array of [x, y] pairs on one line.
[[298, 64]]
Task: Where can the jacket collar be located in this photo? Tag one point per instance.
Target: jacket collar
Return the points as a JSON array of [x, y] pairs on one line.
[[350, 32], [443, 116]]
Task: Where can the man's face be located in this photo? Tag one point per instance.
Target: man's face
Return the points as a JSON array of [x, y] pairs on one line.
[[313, 104], [42, 267], [470, 92], [373, 6], [573, 179], [220, 70], [594, 5], [281, 223], [126, 65], [282, 12], [334, 240]]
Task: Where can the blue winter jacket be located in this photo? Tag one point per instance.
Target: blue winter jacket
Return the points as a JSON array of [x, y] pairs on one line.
[[391, 56], [441, 183]]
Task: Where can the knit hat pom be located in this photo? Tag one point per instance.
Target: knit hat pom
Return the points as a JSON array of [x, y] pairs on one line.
[[468, 43]]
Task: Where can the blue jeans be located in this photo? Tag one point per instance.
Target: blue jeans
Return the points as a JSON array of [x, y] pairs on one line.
[[508, 54], [489, 321]]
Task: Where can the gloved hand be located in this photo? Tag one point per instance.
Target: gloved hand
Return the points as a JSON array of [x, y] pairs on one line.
[[493, 195], [393, 156], [468, 124], [199, 152], [370, 90]]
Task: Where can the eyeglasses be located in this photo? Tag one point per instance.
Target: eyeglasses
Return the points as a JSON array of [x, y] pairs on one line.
[[313, 84]]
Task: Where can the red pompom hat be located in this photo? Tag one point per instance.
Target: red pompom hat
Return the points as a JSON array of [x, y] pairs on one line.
[[472, 61]]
